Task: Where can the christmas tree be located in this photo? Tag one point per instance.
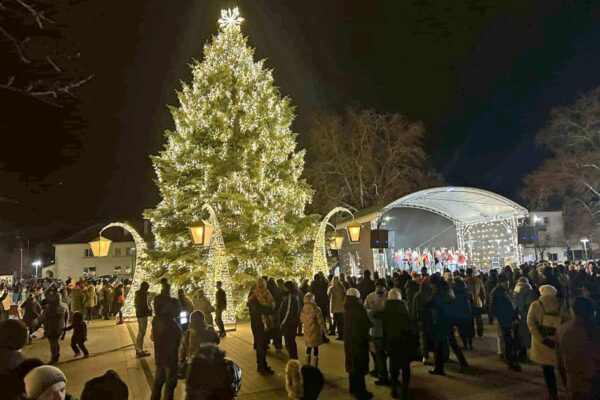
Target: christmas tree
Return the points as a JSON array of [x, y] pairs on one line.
[[233, 148]]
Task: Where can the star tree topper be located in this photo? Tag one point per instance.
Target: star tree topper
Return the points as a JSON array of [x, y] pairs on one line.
[[230, 18]]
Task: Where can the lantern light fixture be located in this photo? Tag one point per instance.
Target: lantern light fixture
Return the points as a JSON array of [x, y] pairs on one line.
[[201, 233], [100, 246], [354, 229], [336, 242]]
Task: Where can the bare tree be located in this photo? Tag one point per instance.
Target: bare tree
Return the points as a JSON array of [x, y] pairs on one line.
[[570, 177], [37, 60], [362, 159]]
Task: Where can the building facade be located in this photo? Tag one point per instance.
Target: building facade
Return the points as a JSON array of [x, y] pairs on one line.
[[73, 256]]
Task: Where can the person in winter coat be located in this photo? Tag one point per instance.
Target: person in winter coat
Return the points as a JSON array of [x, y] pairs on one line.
[[318, 287], [186, 305], [366, 285], [543, 320], [401, 341], [578, 352], [356, 344], [503, 308], [337, 295], [13, 336], [90, 300], [524, 296], [104, 299], [212, 376], [424, 319], [118, 301], [490, 284], [303, 382], [441, 305], [142, 312], [46, 382], [77, 298], [462, 312], [203, 304], [477, 290], [166, 335], [259, 312], [289, 315], [375, 304], [79, 336], [32, 312], [411, 288], [53, 319], [195, 335], [314, 327]]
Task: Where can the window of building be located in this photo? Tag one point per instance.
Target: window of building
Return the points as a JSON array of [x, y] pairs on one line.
[[118, 270], [89, 271], [546, 220], [88, 253], [553, 256], [131, 251], [118, 251]]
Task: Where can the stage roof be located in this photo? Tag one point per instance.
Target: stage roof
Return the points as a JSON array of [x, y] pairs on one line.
[[462, 205]]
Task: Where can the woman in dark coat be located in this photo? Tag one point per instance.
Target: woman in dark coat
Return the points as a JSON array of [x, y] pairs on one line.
[[259, 332], [289, 315], [401, 339], [424, 318], [356, 344], [462, 313]]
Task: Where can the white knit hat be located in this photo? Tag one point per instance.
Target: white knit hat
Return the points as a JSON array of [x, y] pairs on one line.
[[353, 292], [39, 379], [394, 294]]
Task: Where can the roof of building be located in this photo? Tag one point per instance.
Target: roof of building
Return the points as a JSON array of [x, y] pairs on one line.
[[92, 232], [462, 204]]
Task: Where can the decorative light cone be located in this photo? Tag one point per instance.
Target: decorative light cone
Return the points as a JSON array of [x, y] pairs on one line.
[[354, 231], [201, 233], [336, 242], [100, 246]]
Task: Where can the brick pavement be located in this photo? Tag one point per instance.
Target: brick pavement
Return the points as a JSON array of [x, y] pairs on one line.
[[111, 347]]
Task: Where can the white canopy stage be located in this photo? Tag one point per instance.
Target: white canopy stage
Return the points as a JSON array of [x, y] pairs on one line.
[[486, 223]]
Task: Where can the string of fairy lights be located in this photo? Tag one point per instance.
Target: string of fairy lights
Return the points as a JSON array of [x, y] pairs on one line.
[[488, 243]]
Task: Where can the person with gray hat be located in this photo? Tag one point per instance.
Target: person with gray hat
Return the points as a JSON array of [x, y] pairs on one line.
[[356, 344], [46, 382]]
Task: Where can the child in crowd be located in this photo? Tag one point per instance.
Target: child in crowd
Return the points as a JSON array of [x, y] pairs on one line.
[[79, 336]]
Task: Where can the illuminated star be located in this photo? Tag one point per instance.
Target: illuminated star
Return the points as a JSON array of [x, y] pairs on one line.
[[230, 17]]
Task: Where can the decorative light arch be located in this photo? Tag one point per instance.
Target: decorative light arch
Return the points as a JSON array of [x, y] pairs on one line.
[[218, 268], [319, 251], [140, 274]]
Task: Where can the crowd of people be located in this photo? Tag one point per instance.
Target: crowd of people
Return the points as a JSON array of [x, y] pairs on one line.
[[539, 313]]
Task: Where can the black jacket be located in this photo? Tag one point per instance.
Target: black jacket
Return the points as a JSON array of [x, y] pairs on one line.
[[221, 300], [289, 324], [400, 332], [142, 305], [503, 307], [365, 287], [356, 336], [79, 331], [256, 311]]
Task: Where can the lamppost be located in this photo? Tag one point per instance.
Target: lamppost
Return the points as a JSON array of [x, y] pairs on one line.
[[208, 234], [585, 241], [319, 250], [36, 264]]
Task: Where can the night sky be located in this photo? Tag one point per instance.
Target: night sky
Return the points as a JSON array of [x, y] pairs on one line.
[[482, 75]]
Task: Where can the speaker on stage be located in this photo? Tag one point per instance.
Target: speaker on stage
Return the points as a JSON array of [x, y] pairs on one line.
[[379, 238]]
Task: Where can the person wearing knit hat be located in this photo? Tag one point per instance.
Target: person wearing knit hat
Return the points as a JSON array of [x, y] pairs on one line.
[[353, 293], [504, 309], [46, 382], [543, 320], [303, 382], [13, 336]]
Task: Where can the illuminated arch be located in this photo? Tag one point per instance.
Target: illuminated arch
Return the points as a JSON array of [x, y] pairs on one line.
[[319, 250]]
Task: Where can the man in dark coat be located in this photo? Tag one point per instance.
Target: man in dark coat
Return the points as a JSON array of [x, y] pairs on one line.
[[289, 315], [366, 285], [504, 309], [53, 319], [256, 311], [441, 306], [411, 288], [142, 312], [220, 307], [166, 334], [318, 287], [578, 352], [356, 344], [401, 339]]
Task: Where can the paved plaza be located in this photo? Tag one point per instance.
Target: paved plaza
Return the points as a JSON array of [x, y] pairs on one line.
[[111, 347]]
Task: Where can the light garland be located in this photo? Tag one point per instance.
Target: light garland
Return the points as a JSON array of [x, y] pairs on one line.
[[319, 250]]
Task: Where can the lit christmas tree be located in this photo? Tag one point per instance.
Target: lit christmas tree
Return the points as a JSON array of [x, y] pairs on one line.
[[234, 149]]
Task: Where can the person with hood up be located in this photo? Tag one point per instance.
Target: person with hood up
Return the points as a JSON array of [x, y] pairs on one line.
[[198, 333], [105, 387], [375, 304], [356, 344], [401, 341], [13, 336], [289, 315], [543, 320], [212, 375], [314, 327], [303, 382], [524, 296], [578, 351], [259, 313], [503, 308], [443, 332], [462, 312]]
